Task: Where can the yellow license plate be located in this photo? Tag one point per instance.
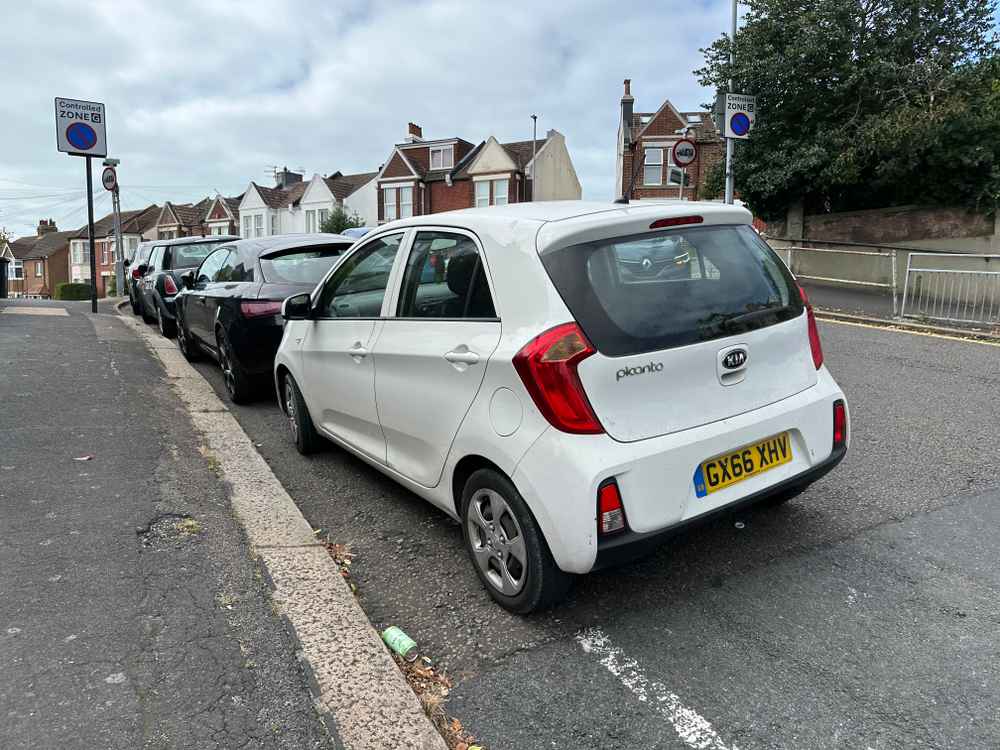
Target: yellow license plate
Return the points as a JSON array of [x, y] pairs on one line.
[[749, 461]]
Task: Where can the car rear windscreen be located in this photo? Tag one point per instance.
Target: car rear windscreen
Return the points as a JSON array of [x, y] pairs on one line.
[[301, 265], [659, 290], [191, 256]]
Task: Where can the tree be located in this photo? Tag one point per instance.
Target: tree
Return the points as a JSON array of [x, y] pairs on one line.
[[865, 103], [339, 220]]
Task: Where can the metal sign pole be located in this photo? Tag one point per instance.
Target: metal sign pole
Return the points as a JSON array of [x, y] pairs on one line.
[[729, 141], [119, 245], [90, 228]]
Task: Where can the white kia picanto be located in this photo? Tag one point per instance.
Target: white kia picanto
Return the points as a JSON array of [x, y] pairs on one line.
[[570, 380]]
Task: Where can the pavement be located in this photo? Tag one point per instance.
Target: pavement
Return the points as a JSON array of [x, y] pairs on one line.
[[131, 614], [864, 614]]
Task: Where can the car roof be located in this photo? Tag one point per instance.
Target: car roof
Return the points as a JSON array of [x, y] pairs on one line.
[[193, 240], [258, 246]]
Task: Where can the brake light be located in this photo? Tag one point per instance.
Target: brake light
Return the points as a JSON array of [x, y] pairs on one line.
[[814, 343], [547, 366], [839, 424], [610, 511], [135, 274], [168, 285], [676, 221], [260, 308]]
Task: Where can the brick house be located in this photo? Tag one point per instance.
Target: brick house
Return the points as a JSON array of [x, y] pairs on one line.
[[137, 226], [429, 176], [40, 263], [645, 142], [222, 215], [182, 219]]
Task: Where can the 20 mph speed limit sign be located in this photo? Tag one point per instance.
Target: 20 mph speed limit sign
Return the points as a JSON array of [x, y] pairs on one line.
[[109, 178], [684, 153]]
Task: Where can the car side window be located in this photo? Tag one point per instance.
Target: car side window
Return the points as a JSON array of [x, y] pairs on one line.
[[232, 269], [445, 278], [357, 287], [211, 266], [156, 258]]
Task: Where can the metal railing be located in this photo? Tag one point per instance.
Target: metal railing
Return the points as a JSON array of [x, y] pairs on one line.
[[955, 295], [890, 256]]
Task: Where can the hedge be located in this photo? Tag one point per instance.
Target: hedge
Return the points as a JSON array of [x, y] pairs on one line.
[[70, 291]]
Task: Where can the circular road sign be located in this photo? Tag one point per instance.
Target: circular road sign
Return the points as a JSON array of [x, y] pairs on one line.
[[80, 135], [109, 178], [739, 123], [684, 152]]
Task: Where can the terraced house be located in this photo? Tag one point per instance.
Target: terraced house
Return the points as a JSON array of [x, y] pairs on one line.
[[429, 176], [137, 226], [38, 263]]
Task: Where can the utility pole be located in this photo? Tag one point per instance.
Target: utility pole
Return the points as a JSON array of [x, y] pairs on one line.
[[534, 146], [732, 90]]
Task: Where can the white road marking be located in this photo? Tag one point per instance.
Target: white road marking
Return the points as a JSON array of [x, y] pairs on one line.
[[58, 311], [694, 729], [895, 329]]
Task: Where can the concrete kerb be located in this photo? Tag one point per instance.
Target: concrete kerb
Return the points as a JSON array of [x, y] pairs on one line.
[[903, 325], [364, 698]]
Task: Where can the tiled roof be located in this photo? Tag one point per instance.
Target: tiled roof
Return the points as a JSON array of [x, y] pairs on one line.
[[703, 131], [28, 248], [191, 215], [342, 185], [138, 222], [22, 247], [520, 151], [278, 198]]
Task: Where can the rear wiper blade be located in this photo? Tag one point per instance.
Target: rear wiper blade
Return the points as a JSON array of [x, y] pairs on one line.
[[729, 321]]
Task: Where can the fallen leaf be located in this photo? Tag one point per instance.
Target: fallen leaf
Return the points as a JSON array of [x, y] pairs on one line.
[[88, 457]]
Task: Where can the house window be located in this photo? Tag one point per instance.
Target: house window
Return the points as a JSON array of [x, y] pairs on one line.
[[405, 202], [274, 223], [310, 222], [17, 269], [77, 254], [652, 172], [39, 268], [389, 202], [443, 157], [104, 253], [258, 225], [133, 244], [324, 214], [492, 192], [246, 227]]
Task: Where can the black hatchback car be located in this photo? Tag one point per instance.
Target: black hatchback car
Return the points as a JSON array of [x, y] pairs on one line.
[[230, 307], [160, 276]]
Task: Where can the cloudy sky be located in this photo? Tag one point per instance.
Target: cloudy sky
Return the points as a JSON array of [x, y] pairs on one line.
[[203, 96]]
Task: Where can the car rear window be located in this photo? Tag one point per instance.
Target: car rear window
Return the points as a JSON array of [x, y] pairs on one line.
[[191, 256], [660, 290], [301, 265]]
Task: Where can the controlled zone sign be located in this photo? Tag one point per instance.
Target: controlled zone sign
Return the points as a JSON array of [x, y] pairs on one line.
[[80, 128], [739, 115]]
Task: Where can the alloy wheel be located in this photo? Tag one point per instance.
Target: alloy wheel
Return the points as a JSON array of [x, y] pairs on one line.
[[290, 408], [226, 363], [159, 321], [182, 339], [497, 542]]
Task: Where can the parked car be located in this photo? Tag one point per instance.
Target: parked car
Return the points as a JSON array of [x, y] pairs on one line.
[[230, 307], [160, 276], [134, 265], [356, 232], [566, 414]]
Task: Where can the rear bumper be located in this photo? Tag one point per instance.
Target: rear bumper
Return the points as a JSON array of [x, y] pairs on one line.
[[255, 343], [620, 549]]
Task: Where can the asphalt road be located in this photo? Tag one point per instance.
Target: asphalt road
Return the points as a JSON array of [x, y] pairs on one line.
[[864, 614], [130, 613]]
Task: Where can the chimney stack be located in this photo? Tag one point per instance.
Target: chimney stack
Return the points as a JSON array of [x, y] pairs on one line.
[[45, 226], [627, 102], [414, 132], [285, 178]]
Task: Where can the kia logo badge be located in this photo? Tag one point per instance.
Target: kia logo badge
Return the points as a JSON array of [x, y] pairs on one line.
[[735, 358]]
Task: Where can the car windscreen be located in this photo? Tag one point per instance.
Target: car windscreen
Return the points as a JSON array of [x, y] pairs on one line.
[[306, 265], [654, 291], [191, 256]]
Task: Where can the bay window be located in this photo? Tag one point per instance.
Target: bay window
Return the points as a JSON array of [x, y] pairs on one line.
[[492, 192], [389, 203], [258, 225], [405, 202], [310, 222]]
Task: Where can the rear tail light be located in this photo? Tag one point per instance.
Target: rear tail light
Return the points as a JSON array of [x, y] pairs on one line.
[[839, 424], [135, 274], [814, 344], [168, 285], [260, 308], [676, 221], [547, 366], [610, 511]]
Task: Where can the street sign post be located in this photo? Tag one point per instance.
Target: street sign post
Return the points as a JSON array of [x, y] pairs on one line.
[[81, 131], [109, 178], [739, 115]]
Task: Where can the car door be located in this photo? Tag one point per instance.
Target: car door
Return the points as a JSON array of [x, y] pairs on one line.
[[337, 368], [199, 320], [430, 357], [225, 283]]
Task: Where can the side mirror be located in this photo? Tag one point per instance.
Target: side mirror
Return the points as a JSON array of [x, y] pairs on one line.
[[298, 307], [126, 263], [187, 279]]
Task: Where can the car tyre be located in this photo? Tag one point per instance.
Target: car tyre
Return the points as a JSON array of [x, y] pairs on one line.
[[146, 317], [135, 305], [238, 382], [300, 424], [507, 548], [168, 327], [188, 348]]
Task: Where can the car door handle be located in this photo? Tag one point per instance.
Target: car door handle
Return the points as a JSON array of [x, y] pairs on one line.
[[462, 355], [358, 352]]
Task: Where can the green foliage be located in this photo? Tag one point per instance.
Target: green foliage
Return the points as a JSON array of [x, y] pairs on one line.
[[339, 220], [866, 103], [71, 291], [112, 285]]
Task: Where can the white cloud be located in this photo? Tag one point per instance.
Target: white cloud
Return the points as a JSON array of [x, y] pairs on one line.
[[201, 96]]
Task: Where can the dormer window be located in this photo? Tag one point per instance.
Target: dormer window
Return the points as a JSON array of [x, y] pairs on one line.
[[443, 157]]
